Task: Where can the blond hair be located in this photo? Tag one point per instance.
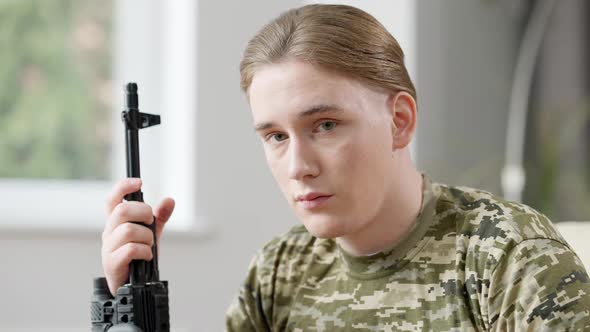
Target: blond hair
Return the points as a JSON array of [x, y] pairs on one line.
[[335, 37]]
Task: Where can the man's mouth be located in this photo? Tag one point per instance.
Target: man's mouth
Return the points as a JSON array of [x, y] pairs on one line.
[[312, 200]]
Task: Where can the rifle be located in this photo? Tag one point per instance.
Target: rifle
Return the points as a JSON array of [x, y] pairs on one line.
[[141, 304]]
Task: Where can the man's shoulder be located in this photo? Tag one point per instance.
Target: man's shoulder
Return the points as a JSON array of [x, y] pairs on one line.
[[488, 220]]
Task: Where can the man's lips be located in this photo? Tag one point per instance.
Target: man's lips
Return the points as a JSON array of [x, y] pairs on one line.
[[310, 196], [312, 200]]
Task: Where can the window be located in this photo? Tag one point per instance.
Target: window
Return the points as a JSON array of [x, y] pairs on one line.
[[65, 63]]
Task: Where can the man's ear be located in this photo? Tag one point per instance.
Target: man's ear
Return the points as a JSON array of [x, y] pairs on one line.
[[404, 117]]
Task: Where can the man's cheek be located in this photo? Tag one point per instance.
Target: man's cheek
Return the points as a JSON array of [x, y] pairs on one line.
[[274, 166]]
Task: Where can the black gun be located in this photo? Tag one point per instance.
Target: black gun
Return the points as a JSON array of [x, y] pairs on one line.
[[141, 305]]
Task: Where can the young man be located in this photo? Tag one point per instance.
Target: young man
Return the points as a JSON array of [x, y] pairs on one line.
[[382, 248]]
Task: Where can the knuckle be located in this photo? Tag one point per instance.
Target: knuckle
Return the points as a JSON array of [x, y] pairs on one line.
[[115, 192], [147, 213], [121, 211], [120, 186], [131, 250], [117, 210], [128, 231]]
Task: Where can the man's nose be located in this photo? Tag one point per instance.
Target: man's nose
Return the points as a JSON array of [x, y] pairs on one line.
[[302, 160]]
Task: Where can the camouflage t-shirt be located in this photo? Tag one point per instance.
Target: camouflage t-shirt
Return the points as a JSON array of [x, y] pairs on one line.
[[471, 262]]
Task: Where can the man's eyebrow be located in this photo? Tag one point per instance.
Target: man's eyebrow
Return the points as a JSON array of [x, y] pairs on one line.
[[308, 112], [320, 109]]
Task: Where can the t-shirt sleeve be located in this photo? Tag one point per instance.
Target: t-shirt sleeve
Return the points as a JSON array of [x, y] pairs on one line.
[[539, 285], [248, 310]]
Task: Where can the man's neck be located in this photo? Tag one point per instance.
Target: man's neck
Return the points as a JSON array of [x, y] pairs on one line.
[[394, 221]]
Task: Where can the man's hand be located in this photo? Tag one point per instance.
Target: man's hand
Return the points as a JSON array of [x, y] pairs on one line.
[[123, 241]]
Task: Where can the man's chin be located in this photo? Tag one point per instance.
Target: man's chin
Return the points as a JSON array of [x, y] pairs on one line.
[[323, 229]]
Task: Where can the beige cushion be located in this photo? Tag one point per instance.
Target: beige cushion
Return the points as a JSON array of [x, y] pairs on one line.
[[577, 234]]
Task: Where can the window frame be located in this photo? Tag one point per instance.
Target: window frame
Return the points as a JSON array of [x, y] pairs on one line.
[[157, 50]]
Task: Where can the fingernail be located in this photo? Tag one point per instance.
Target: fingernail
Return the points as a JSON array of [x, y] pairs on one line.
[[135, 181]]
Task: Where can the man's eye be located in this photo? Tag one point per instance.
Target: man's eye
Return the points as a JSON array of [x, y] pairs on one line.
[[327, 125], [277, 137]]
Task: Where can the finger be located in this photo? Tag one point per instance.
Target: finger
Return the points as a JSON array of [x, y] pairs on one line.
[[128, 211], [115, 282], [126, 233], [116, 264], [116, 279], [130, 251], [163, 212], [121, 188]]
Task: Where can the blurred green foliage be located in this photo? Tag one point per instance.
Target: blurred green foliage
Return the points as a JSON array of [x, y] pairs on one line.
[[55, 78]]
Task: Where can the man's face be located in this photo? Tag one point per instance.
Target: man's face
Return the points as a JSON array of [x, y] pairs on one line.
[[325, 135]]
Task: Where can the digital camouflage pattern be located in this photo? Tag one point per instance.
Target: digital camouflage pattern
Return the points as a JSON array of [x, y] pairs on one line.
[[472, 262]]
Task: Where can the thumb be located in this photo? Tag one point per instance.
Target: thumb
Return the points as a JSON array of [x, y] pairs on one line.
[[163, 212]]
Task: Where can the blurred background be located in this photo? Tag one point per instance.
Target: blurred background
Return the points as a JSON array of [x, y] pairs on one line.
[[503, 95]]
